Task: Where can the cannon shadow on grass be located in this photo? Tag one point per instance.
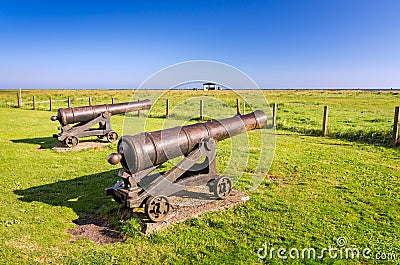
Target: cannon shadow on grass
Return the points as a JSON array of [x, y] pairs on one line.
[[84, 195], [50, 142], [44, 142]]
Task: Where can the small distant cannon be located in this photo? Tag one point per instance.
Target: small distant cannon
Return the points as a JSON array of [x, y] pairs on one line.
[[141, 154], [87, 116]]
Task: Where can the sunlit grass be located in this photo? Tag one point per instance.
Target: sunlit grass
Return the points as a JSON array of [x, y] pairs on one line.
[[318, 189]]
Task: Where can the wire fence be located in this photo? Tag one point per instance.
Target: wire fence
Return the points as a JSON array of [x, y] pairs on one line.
[[369, 126]]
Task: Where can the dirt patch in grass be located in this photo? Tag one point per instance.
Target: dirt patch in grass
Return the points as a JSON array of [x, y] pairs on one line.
[[100, 232], [95, 230], [60, 147]]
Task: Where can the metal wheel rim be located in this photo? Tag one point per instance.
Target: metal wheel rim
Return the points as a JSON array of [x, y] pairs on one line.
[[71, 141], [223, 187], [112, 137], [157, 208]]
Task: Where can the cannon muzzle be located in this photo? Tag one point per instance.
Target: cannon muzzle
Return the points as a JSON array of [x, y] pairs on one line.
[[145, 150], [87, 113]]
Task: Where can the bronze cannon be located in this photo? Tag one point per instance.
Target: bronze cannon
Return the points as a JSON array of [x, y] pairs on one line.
[[141, 154], [86, 117]]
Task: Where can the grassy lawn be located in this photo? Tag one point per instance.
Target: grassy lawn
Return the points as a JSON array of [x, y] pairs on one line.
[[317, 190]]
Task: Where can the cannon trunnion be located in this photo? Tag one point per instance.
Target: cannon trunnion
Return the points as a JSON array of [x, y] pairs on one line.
[[86, 117], [143, 153]]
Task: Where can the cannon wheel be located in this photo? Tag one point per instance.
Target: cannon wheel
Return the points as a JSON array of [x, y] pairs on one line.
[[112, 136], [157, 208], [71, 141], [222, 187]]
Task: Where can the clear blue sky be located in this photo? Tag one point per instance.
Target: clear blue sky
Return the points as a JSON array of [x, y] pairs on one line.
[[280, 44]]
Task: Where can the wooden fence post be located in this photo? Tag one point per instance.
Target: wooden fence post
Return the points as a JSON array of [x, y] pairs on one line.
[[19, 100], [138, 112], [167, 109], [69, 102], [201, 109], [244, 105], [237, 106], [274, 109], [34, 102], [90, 101], [51, 103], [112, 100], [325, 121], [395, 127]]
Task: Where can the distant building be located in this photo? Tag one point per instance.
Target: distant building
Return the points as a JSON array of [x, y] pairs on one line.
[[209, 86]]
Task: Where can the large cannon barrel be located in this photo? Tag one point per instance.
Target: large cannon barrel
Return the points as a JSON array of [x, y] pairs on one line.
[[148, 149], [86, 113]]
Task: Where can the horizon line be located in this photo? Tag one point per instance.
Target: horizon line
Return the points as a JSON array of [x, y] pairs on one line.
[[289, 88]]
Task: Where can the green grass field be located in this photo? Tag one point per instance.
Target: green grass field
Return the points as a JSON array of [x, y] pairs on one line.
[[317, 190]]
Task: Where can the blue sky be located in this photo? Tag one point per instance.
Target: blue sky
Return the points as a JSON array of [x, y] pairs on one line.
[[280, 44]]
